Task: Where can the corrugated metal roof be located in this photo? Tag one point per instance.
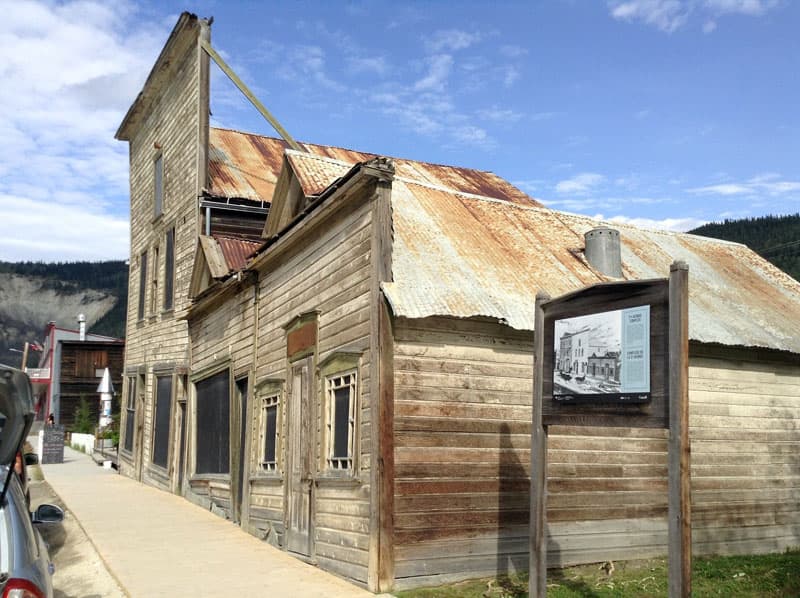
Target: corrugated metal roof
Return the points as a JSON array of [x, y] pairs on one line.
[[315, 173], [244, 165], [465, 256], [236, 251]]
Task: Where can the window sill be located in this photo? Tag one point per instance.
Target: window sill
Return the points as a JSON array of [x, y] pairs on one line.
[[167, 313], [347, 480], [266, 480], [210, 477]]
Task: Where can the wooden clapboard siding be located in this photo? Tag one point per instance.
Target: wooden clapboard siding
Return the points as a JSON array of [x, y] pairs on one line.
[[462, 433], [462, 449], [327, 270], [173, 126]]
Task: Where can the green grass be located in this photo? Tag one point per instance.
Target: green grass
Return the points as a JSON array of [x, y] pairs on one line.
[[753, 576]]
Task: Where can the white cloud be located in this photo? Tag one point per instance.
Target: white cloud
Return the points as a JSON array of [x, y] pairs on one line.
[[672, 224], [742, 7], [439, 67], [667, 15], [671, 15], [500, 114], [770, 184], [69, 71], [580, 184], [452, 40], [53, 230]]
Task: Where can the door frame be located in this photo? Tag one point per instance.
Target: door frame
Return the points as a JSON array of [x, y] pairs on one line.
[[300, 434]]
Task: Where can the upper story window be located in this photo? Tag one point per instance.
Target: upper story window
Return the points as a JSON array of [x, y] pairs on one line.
[[142, 283], [154, 283], [158, 190], [169, 269]]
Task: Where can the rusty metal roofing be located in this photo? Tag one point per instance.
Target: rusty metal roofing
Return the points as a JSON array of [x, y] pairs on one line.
[[315, 173], [246, 166], [236, 251], [464, 256]]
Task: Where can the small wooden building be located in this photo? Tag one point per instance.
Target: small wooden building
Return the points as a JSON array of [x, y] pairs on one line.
[[356, 387]]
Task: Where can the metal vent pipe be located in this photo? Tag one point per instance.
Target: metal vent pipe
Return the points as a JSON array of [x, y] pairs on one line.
[[82, 327], [603, 252]]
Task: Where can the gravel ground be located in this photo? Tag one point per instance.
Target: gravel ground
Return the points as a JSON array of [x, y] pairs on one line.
[[80, 572]]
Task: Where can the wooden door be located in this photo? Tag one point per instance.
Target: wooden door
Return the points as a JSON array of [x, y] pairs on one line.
[[242, 465], [299, 461]]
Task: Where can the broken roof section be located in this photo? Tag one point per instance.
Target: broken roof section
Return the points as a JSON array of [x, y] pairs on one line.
[[468, 244], [247, 166]]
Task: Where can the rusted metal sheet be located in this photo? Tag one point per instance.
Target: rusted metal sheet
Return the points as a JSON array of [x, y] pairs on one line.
[[314, 173], [246, 166], [463, 256], [236, 251]]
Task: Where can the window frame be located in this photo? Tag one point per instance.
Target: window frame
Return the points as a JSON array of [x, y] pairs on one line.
[[267, 402], [130, 413], [156, 435], [339, 381], [169, 269], [143, 282], [154, 282], [158, 185], [198, 379]]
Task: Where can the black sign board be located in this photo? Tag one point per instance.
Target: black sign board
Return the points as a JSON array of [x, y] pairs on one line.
[[53, 445]]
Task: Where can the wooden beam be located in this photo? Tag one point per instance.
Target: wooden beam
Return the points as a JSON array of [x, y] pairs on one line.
[[680, 523], [249, 95], [537, 585]]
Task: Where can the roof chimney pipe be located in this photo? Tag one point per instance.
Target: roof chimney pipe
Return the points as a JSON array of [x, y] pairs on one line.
[[603, 252], [81, 327]]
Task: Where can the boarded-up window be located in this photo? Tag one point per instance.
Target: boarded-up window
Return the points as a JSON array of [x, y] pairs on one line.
[[142, 283], [269, 431], [341, 410], [169, 268], [130, 414], [158, 181], [213, 424], [161, 420]]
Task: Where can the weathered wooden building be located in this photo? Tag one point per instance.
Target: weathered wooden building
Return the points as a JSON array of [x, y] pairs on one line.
[[354, 384], [70, 368]]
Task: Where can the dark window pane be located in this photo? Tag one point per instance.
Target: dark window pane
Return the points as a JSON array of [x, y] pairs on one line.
[[169, 269], [163, 404], [341, 423], [213, 424], [142, 282], [270, 435]]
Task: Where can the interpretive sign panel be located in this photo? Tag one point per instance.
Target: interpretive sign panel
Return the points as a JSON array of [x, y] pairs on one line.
[[605, 356]]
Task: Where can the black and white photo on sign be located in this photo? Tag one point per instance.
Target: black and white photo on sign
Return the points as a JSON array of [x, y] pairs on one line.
[[603, 353]]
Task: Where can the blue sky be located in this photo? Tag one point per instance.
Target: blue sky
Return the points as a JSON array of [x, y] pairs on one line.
[[664, 113]]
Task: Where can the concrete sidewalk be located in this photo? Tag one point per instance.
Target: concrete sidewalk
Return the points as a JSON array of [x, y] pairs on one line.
[[157, 544]]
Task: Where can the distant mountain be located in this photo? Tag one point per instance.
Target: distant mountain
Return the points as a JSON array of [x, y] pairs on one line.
[[34, 293], [775, 238]]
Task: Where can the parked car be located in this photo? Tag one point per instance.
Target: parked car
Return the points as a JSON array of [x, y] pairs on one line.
[[25, 567]]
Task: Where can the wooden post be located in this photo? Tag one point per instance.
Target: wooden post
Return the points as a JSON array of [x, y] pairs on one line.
[[537, 584], [680, 523], [25, 355]]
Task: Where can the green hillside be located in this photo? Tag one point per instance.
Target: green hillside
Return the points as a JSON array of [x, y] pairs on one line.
[[776, 238]]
